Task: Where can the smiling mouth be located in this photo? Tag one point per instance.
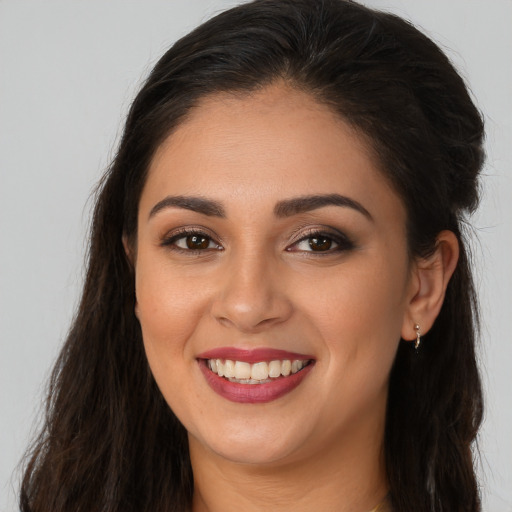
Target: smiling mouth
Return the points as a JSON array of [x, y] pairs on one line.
[[261, 372]]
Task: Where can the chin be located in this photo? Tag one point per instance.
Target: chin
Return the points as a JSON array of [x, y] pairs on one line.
[[254, 453], [257, 446]]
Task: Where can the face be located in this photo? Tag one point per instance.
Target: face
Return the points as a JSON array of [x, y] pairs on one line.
[[272, 278]]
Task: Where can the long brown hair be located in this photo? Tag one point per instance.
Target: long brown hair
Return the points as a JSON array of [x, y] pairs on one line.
[[110, 442]]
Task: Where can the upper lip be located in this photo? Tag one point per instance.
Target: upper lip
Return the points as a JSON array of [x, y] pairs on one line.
[[252, 355]]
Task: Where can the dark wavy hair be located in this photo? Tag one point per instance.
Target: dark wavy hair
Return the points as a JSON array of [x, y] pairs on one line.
[[110, 442]]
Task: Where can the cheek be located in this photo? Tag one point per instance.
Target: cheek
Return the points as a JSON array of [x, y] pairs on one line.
[[168, 312], [169, 308], [360, 326], [365, 303], [359, 317]]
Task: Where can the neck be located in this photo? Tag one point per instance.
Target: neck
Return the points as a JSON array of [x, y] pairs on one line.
[[339, 477]]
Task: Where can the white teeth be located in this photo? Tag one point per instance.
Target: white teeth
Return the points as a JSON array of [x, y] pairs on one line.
[[274, 369], [229, 369], [242, 370], [257, 373], [286, 368], [250, 381], [220, 367]]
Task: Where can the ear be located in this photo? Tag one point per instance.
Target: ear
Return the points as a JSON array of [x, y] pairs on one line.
[[130, 256], [430, 277], [128, 250]]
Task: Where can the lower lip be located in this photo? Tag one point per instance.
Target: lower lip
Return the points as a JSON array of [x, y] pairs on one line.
[[253, 393]]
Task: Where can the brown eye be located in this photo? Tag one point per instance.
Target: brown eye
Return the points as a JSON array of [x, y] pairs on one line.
[[192, 241], [321, 243], [197, 242]]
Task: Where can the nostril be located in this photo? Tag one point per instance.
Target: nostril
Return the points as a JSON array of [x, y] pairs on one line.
[[248, 311], [246, 323], [251, 297]]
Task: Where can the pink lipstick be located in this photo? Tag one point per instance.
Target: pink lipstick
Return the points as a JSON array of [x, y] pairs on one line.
[[253, 376], [251, 356]]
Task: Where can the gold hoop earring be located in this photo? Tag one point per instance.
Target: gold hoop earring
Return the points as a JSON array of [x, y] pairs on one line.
[[418, 336]]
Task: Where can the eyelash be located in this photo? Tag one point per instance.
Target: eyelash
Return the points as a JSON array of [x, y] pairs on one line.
[[170, 241], [343, 243]]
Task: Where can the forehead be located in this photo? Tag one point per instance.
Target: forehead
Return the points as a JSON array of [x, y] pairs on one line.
[[278, 141]]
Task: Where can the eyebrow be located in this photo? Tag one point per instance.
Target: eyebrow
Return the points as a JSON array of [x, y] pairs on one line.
[[196, 204], [303, 204], [285, 208]]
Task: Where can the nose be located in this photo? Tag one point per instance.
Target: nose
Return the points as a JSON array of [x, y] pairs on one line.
[[252, 295]]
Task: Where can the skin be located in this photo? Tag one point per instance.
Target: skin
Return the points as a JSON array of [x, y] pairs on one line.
[[258, 283]]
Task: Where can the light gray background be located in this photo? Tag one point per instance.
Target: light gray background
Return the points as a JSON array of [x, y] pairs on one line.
[[68, 71]]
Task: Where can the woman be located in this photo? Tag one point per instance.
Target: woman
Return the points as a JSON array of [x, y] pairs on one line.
[[278, 310]]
